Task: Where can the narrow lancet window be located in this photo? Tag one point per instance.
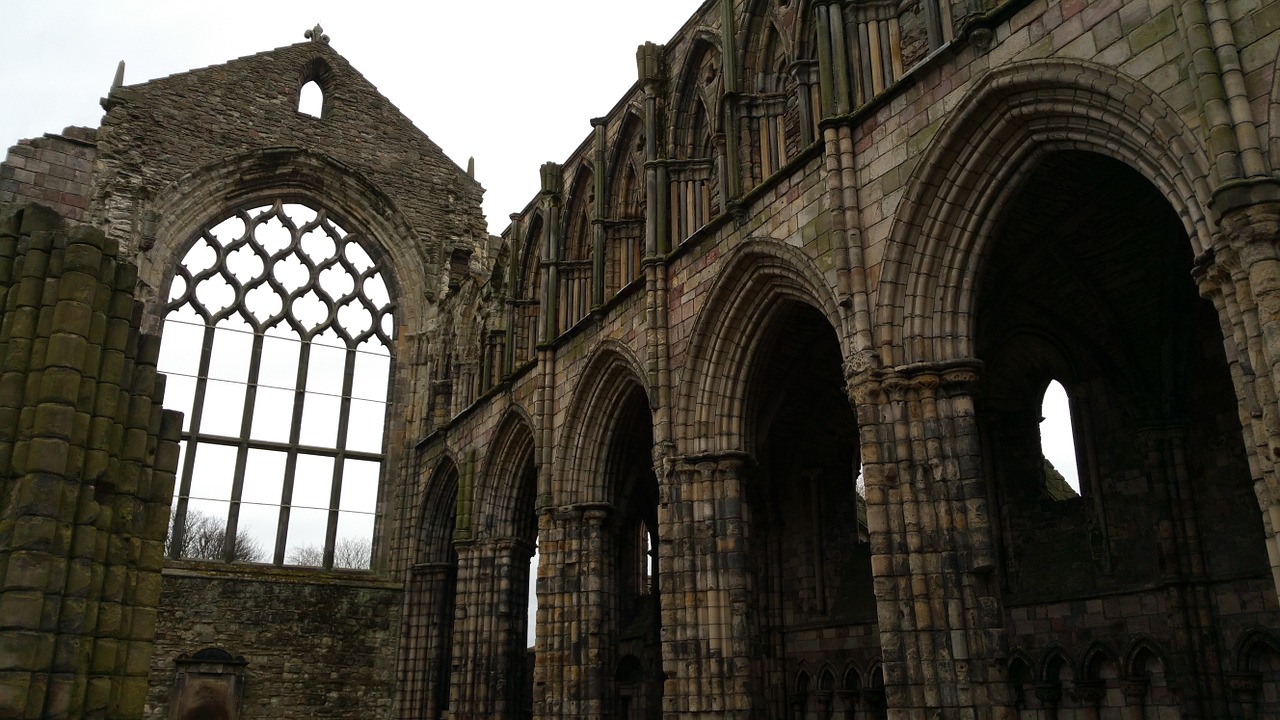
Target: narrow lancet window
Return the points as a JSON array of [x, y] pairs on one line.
[[311, 100], [1057, 442]]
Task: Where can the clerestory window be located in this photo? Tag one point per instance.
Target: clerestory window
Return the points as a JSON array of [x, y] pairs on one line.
[[1057, 443], [277, 346]]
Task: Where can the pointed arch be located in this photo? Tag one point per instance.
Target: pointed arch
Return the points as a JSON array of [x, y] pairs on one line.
[[1018, 113], [1140, 654], [1255, 644], [697, 98], [531, 260], [696, 140], [291, 175], [609, 378], [318, 74], [576, 243], [826, 678], [851, 679], [768, 107], [437, 514], [575, 259], [1099, 662], [527, 292], [1054, 663], [507, 494], [755, 285], [627, 205]]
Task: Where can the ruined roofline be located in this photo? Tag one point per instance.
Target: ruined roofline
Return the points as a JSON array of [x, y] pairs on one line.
[[324, 48]]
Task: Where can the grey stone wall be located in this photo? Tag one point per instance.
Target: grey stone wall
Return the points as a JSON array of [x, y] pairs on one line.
[[53, 170], [317, 646]]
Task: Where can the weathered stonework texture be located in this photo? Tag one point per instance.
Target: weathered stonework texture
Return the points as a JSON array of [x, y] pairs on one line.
[[87, 460], [759, 374]]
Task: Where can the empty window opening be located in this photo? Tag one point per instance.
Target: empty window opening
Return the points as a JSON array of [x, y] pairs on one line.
[[1057, 442], [276, 346], [311, 99], [531, 625]]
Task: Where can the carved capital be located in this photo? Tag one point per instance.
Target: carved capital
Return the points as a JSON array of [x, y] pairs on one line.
[[1244, 686], [1049, 694], [1090, 692], [1134, 688], [1250, 230]]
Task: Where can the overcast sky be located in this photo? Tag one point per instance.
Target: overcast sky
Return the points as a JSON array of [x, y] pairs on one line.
[[513, 83]]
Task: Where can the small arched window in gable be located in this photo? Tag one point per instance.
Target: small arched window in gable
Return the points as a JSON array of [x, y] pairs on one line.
[[311, 99], [315, 88], [1057, 443]]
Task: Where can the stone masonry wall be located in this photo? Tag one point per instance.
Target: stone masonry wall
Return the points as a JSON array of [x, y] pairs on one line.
[[53, 170], [87, 460], [316, 647]]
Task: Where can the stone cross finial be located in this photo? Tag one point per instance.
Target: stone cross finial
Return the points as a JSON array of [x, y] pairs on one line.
[[316, 34]]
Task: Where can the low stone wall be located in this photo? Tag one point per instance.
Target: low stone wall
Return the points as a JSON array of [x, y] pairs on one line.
[[314, 645]]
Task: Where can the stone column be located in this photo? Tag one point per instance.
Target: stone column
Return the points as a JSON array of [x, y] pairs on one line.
[[425, 652], [550, 202], [487, 676], [87, 462], [932, 551], [1135, 698], [1090, 694], [1050, 697], [1240, 274], [599, 215], [575, 607], [710, 632]]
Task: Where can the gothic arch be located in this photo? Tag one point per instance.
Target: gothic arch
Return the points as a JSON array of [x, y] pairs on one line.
[[1097, 662], [1140, 651], [576, 243], [754, 278], [437, 513], [504, 494], [759, 32], [1252, 645], [697, 98], [530, 278], [610, 376], [627, 197], [294, 175], [1010, 119]]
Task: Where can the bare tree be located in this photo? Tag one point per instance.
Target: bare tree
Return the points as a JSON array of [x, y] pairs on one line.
[[352, 553], [307, 555], [205, 537]]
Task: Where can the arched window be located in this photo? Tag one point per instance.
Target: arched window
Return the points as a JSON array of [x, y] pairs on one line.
[[311, 99], [277, 345], [1057, 442]]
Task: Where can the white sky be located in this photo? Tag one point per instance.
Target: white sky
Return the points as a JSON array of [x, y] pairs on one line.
[[513, 83]]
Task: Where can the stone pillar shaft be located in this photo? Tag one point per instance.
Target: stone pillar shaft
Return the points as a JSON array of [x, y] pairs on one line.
[[707, 610], [575, 606], [86, 470], [932, 554], [487, 675]]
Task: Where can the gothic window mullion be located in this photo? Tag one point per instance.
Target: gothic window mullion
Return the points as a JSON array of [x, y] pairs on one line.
[[188, 460], [291, 463], [335, 494], [242, 450]]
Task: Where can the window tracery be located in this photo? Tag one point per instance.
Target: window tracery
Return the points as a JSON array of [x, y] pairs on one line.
[[277, 346]]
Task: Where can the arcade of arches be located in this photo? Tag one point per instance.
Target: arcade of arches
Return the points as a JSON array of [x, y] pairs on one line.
[[749, 398]]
